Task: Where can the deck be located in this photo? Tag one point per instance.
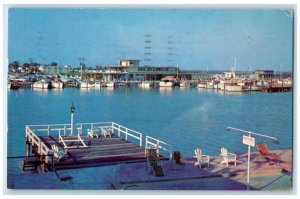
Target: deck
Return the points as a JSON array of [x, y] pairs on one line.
[[100, 151], [83, 150]]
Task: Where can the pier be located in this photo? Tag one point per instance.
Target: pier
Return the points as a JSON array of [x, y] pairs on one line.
[[92, 144]]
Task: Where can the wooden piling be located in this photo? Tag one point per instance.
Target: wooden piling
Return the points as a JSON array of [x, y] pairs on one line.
[[27, 148]]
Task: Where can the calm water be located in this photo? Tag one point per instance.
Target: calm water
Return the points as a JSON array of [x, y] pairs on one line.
[[185, 118]]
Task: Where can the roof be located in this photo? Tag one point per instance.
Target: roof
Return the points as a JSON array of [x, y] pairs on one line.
[[130, 60]]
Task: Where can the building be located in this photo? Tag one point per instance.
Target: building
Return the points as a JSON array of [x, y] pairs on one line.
[[264, 74], [56, 70], [129, 69]]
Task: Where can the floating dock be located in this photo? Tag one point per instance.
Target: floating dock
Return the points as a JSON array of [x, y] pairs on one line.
[[57, 147]]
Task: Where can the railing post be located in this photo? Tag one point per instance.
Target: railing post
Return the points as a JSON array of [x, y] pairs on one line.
[[126, 136], [39, 147], [119, 133], [141, 140], [65, 129], [48, 130]]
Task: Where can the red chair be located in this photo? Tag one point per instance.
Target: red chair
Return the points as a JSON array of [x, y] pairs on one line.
[[264, 152]]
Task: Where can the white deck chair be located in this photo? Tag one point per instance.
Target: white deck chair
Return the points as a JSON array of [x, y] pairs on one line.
[[201, 158], [58, 154], [227, 157], [93, 132], [106, 132]]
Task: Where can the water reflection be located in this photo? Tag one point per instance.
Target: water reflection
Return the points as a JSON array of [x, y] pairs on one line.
[[165, 90]]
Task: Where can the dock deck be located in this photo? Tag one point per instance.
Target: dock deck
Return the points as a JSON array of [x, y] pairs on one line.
[[80, 149], [100, 151]]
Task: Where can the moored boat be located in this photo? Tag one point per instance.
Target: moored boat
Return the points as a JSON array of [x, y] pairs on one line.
[[42, 84], [168, 81]]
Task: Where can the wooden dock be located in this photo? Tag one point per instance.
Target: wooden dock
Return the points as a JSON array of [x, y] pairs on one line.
[[78, 150], [100, 151]]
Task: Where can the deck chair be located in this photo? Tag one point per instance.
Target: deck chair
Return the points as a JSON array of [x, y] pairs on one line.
[[201, 158], [264, 152], [106, 132], [152, 162], [177, 157], [58, 154], [227, 157], [93, 132]]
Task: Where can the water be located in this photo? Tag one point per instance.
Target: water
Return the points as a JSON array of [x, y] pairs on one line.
[[185, 118]]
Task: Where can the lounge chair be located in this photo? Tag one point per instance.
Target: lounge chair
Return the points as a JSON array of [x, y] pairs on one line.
[[264, 152], [201, 158], [58, 154], [153, 162], [228, 157], [93, 132], [177, 157], [106, 132]]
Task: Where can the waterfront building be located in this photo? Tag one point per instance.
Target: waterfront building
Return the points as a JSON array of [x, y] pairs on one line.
[[129, 69], [56, 70], [264, 74]]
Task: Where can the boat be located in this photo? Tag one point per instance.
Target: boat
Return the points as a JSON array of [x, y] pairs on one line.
[[145, 84], [210, 85], [57, 84], [184, 84], [85, 84], [233, 87], [97, 84], [13, 85], [121, 84], [110, 84], [42, 84], [168, 81], [201, 85]]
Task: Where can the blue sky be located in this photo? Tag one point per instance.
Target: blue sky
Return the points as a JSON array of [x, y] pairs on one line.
[[196, 38]]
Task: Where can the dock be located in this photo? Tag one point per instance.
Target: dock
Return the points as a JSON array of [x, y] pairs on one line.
[[58, 147]]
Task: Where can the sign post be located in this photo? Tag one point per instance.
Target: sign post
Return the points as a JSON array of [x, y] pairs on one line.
[[250, 141]]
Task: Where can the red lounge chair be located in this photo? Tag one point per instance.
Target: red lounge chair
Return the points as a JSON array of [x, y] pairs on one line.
[[264, 152]]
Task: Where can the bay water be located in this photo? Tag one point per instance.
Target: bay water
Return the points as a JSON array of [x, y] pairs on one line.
[[185, 118]]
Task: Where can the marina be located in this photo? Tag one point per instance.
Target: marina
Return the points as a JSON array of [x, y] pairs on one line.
[[150, 99]]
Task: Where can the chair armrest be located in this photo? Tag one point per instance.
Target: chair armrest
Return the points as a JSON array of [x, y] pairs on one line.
[[207, 156], [233, 154]]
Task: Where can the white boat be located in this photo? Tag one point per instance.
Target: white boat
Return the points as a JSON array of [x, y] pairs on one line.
[[166, 84], [97, 84], [85, 85], [145, 84], [41, 84], [234, 88], [210, 85], [168, 81], [110, 84], [58, 85], [201, 85], [184, 84]]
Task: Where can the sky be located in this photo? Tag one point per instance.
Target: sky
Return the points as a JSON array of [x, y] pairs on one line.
[[193, 39]]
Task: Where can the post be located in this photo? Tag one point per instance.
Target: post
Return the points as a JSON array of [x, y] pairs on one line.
[[248, 170], [72, 122], [27, 147]]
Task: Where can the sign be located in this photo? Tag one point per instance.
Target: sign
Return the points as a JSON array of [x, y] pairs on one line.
[[250, 141]]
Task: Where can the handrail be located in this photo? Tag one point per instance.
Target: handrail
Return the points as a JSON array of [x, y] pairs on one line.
[[158, 144], [127, 132]]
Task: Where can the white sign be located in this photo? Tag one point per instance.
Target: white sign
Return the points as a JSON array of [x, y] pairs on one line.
[[248, 141]]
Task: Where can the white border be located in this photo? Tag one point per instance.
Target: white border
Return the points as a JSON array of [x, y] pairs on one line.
[[136, 4]]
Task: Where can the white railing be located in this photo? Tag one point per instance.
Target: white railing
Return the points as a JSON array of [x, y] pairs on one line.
[[34, 131], [35, 140], [160, 146], [126, 133]]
